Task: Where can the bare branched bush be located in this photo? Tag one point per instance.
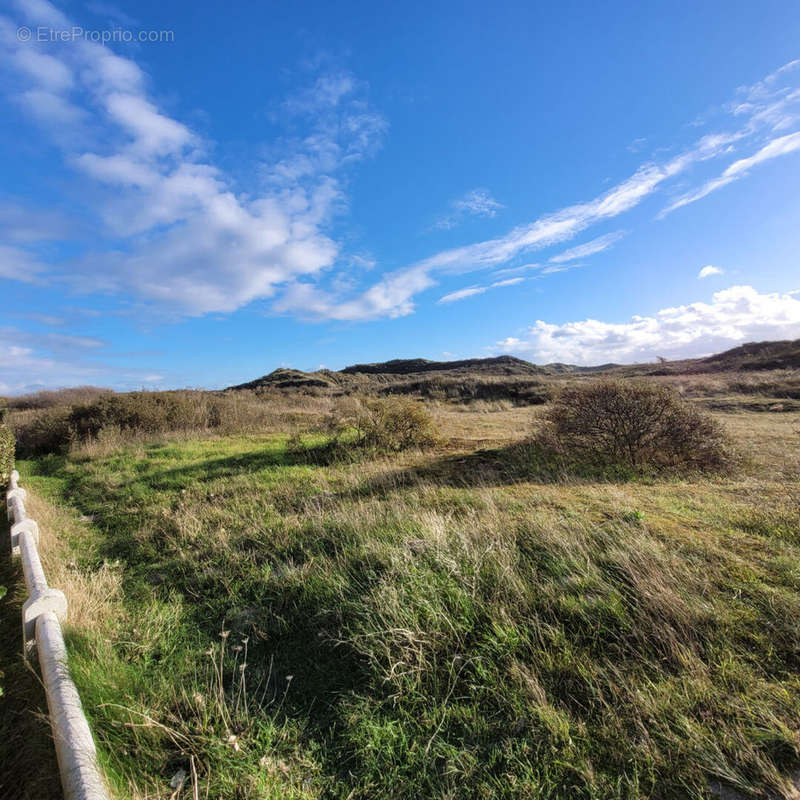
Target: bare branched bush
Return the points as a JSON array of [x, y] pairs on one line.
[[634, 424]]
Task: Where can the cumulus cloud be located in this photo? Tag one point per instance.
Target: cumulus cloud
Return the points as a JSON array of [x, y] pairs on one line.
[[185, 239], [710, 270], [735, 315]]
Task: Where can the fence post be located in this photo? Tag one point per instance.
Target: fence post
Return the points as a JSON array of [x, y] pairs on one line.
[[42, 614]]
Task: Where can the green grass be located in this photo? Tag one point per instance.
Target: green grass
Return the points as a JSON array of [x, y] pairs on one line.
[[381, 630]]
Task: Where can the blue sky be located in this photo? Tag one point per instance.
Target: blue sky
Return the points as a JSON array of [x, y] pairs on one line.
[[317, 184]]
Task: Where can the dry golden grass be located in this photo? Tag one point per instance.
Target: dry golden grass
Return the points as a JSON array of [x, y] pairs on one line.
[[92, 594]]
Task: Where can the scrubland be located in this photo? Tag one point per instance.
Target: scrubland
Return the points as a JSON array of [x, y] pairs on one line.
[[464, 620]]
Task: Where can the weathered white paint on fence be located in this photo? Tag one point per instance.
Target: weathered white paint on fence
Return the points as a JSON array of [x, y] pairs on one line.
[[42, 615]]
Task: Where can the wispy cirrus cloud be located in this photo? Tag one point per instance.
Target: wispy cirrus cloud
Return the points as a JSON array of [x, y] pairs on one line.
[[780, 146], [587, 249], [393, 295], [471, 291], [758, 111], [733, 316], [771, 105], [462, 294], [475, 203]]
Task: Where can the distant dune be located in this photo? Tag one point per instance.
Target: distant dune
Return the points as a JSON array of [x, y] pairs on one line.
[[413, 373]]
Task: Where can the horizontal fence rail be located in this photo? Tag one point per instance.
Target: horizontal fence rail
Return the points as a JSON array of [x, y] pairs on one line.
[[42, 615]]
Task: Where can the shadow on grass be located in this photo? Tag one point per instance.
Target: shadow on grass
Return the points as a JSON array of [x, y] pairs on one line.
[[520, 462], [29, 770], [213, 469]]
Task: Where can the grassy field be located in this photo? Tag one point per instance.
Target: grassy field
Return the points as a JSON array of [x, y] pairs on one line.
[[454, 623]]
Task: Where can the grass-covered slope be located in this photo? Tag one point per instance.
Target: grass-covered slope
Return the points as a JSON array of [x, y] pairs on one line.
[[419, 629]]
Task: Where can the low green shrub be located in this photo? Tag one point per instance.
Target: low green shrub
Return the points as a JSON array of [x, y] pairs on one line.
[[384, 424]]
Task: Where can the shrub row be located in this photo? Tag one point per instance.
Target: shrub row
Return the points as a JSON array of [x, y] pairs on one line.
[[50, 398], [518, 390], [54, 430]]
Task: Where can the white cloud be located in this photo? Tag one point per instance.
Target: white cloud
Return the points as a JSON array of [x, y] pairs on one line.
[[189, 240], [462, 294], [22, 223], [327, 92], [479, 202], [152, 134], [508, 282], [735, 315], [48, 71], [33, 361], [781, 146], [710, 270], [552, 269], [20, 265], [185, 239], [112, 13], [393, 295], [27, 363], [475, 203], [396, 290], [50, 108], [43, 319], [589, 248], [470, 291], [516, 270]]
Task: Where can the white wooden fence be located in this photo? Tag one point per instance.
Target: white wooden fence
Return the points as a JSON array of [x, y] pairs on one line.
[[42, 615]]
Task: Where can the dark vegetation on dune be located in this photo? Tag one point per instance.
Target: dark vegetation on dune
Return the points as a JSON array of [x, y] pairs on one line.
[[768, 368], [754, 356]]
